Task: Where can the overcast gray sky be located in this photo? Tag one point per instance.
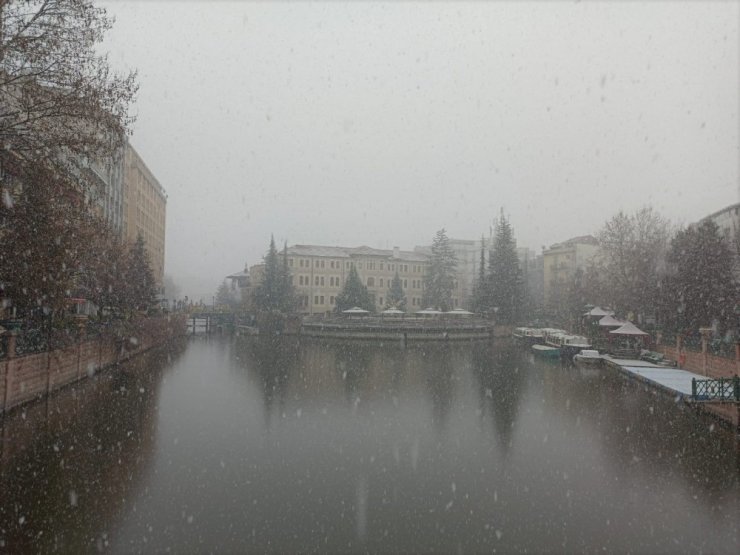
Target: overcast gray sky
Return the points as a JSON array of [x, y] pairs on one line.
[[378, 124]]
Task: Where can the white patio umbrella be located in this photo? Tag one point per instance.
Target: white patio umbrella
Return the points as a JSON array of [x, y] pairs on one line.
[[355, 310], [598, 311], [392, 311], [628, 328], [458, 312], [428, 312], [610, 321]]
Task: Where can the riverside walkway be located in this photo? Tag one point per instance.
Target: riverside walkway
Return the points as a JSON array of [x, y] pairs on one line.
[[680, 384]]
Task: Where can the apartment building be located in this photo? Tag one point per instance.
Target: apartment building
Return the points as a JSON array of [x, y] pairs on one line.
[[144, 209], [319, 274], [562, 260]]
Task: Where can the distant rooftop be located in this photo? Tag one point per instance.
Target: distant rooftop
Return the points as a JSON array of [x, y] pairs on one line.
[[728, 209], [350, 252], [580, 240]]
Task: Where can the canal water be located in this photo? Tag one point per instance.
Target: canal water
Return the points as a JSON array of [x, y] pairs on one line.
[[245, 444]]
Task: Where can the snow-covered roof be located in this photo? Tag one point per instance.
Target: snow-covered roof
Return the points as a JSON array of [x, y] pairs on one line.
[[610, 321], [598, 311], [349, 252], [628, 329]]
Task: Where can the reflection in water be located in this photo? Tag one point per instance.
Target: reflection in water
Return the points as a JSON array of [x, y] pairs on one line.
[[438, 368], [272, 359], [70, 462], [500, 386], [285, 444]]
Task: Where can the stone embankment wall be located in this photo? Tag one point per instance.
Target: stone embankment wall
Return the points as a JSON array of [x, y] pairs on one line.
[[28, 377]]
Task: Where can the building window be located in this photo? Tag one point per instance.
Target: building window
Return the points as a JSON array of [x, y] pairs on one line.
[[371, 282], [322, 280], [316, 299], [381, 301], [290, 262], [381, 265], [322, 263], [321, 299], [331, 264], [405, 284], [381, 282], [316, 280]]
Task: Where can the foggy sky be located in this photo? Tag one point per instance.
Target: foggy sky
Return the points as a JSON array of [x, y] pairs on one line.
[[377, 124]]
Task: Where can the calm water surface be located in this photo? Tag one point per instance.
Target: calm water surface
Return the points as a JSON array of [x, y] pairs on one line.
[[243, 444]]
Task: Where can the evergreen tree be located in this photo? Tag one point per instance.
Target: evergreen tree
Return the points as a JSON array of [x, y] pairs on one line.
[[267, 295], [395, 297], [504, 287], [354, 293], [440, 279], [287, 292], [478, 298], [224, 296], [704, 288], [140, 278]]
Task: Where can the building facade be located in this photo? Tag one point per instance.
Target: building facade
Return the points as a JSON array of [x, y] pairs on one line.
[[319, 274], [728, 222], [561, 261], [144, 209]]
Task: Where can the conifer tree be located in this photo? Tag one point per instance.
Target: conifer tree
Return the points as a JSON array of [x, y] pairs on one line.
[[478, 297], [440, 279], [354, 293], [704, 289], [504, 281], [396, 298], [267, 295], [143, 287], [287, 298]]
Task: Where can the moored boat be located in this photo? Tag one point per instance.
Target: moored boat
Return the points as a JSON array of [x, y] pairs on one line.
[[571, 345], [546, 351], [588, 357]]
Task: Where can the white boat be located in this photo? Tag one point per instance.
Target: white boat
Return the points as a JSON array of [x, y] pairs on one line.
[[571, 345], [588, 357]]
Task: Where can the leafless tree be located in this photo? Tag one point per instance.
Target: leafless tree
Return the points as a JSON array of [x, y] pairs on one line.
[[633, 251], [60, 102]]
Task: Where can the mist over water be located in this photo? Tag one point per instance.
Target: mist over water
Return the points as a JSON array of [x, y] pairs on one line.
[[288, 445]]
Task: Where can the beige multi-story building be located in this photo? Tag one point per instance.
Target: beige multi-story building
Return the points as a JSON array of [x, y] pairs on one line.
[[144, 209], [319, 274], [561, 262]]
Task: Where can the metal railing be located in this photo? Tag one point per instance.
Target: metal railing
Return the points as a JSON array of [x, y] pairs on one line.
[[720, 389]]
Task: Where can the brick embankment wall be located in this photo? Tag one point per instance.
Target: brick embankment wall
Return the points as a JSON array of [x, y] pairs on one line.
[[711, 366], [716, 367], [28, 377]]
